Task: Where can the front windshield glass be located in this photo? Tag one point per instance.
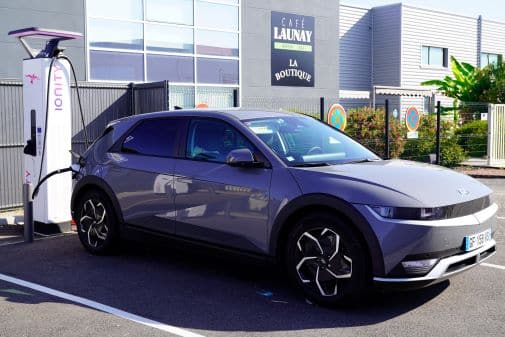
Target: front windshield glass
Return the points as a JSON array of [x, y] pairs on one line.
[[304, 141]]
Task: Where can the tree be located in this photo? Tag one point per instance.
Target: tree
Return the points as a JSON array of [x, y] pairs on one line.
[[491, 83], [463, 86]]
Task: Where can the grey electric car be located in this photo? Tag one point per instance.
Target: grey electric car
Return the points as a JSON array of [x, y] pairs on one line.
[[285, 186]]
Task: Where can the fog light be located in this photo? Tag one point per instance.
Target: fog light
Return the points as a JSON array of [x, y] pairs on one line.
[[419, 267]]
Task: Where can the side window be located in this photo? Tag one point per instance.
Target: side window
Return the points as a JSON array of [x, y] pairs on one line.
[[213, 140], [153, 137]]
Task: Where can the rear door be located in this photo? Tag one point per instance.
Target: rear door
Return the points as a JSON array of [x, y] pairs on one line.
[[214, 201], [141, 173]]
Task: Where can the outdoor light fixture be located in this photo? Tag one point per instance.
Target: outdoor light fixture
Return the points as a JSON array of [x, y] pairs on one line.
[[405, 213]]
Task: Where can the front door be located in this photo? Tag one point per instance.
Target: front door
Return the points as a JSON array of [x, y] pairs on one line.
[[216, 202]]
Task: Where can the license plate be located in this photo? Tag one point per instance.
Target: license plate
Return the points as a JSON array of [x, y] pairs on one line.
[[477, 240]]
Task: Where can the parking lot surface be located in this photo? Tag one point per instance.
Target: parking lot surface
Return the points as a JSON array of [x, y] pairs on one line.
[[163, 291]]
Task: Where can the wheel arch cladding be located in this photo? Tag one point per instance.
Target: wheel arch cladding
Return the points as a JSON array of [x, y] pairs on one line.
[[325, 203], [95, 183]]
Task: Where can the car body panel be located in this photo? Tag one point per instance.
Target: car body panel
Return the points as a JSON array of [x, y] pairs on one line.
[[222, 204], [401, 238], [251, 208], [396, 183], [144, 187]]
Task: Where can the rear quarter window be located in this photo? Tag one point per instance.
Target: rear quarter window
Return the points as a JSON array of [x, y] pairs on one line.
[[152, 137]]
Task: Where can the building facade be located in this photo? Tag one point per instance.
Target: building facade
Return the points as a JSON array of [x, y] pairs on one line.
[[399, 46], [205, 48]]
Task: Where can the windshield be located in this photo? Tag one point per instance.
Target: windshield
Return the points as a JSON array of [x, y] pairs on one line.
[[303, 141]]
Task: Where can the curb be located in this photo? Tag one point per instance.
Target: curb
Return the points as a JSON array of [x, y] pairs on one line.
[[483, 176]]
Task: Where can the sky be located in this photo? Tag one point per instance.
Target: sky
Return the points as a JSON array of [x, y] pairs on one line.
[[489, 9]]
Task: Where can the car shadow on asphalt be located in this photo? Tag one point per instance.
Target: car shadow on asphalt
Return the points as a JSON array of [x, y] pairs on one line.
[[193, 288]]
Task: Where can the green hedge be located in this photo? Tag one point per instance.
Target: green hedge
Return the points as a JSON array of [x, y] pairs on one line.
[[367, 126], [472, 137]]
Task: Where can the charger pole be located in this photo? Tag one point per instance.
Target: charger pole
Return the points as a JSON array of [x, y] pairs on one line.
[[28, 209]]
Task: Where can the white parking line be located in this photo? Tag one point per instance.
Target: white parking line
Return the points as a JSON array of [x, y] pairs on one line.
[[501, 217], [492, 265], [102, 307]]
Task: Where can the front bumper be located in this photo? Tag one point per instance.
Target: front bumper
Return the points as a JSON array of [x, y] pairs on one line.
[[407, 240], [444, 269]]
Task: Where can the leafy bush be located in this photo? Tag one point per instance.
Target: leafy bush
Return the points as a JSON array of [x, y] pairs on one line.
[[367, 125], [419, 149], [472, 137]]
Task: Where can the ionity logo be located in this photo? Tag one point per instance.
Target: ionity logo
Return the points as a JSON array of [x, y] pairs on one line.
[[32, 78]]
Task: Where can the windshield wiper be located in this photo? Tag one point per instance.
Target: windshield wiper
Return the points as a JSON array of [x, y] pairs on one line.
[[364, 160], [313, 164]]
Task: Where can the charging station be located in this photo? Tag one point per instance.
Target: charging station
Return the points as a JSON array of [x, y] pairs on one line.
[[47, 126]]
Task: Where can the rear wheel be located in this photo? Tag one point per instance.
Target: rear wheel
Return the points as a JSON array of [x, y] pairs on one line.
[[326, 260], [96, 223]]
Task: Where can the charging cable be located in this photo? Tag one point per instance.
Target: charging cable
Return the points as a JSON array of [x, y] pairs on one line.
[[68, 169]]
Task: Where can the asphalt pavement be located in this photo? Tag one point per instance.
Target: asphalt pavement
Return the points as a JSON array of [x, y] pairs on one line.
[[163, 291]]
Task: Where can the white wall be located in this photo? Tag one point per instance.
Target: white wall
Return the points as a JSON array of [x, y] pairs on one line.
[[355, 48], [431, 28], [387, 45], [493, 37]]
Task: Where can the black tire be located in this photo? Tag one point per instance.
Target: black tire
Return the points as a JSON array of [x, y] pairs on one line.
[[97, 224], [349, 262]]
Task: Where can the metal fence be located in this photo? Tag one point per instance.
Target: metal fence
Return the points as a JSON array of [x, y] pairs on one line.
[[101, 102], [496, 127]]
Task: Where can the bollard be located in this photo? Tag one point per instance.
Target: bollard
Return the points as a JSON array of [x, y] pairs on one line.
[[28, 209]]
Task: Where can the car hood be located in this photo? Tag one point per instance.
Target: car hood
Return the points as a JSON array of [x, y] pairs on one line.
[[397, 183]]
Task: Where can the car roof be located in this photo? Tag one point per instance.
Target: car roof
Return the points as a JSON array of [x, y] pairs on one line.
[[236, 113]]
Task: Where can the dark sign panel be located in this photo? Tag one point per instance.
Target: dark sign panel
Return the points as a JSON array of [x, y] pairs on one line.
[[292, 50]]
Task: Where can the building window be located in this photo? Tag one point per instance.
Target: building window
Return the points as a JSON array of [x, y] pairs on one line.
[[488, 58], [435, 56], [192, 43]]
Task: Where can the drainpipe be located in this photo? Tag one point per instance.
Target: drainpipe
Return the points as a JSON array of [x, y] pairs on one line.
[[372, 91], [479, 39]]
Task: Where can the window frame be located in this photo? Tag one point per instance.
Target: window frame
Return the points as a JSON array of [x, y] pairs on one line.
[[487, 54], [117, 147], [195, 55], [258, 155], [445, 57]]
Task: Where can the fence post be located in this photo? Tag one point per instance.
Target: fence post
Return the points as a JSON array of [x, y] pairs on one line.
[[386, 129], [490, 134], [166, 89], [28, 210], [321, 109], [235, 98], [437, 149], [132, 98]]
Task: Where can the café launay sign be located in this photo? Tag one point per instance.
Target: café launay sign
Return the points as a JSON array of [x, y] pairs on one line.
[[292, 50]]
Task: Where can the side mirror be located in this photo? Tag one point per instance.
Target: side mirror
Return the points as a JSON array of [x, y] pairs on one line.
[[242, 158]]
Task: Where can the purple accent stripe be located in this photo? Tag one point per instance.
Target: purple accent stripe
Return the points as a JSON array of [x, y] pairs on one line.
[[35, 31]]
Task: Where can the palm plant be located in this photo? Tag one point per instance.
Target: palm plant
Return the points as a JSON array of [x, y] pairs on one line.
[[462, 87]]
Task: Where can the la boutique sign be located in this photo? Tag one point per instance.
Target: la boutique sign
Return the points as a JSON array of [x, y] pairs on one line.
[[292, 50]]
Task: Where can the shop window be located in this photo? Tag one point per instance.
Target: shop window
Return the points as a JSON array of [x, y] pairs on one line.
[[168, 67], [216, 43], [219, 16], [115, 34], [118, 9], [162, 38], [173, 11], [217, 71], [105, 65]]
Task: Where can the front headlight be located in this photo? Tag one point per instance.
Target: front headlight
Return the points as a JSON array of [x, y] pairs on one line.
[[404, 213]]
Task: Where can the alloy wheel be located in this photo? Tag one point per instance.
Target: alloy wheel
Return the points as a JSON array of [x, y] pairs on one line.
[[323, 261], [93, 222]]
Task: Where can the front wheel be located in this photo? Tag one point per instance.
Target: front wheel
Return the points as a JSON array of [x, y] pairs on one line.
[[326, 260], [96, 223]]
